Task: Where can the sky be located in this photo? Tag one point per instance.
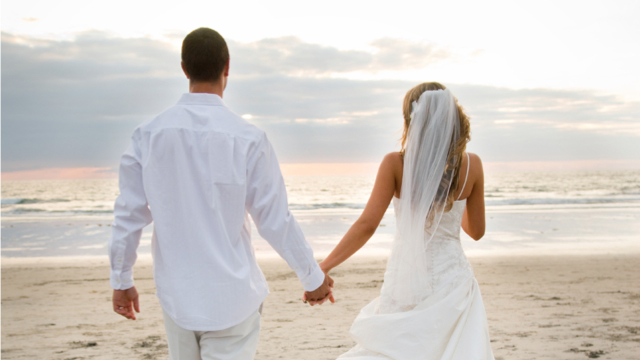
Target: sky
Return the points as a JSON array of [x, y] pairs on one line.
[[547, 84]]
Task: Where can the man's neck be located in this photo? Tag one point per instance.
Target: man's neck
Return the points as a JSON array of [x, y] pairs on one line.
[[207, 87]]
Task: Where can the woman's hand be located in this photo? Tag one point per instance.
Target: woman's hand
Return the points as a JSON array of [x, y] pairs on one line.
[[321, 294]]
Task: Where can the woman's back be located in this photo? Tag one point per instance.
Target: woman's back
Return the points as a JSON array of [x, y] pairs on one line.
[[447, 262], [470, 194]]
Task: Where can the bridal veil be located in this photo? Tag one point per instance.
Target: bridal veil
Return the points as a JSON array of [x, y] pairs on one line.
[[427, 176]]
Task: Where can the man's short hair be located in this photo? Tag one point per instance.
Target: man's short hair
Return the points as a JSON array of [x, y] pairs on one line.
[[204, 54]]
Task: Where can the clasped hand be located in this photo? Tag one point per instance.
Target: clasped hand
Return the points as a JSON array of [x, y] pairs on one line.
[[321, 294]]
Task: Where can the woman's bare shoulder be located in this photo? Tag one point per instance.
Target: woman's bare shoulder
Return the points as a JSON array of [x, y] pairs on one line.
[[392, 160], [392, 164], [475, 161], [476, 172], [393, 157]]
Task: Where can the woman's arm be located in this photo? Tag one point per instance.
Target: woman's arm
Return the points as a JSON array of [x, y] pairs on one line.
[[473, 220], [366, 225]]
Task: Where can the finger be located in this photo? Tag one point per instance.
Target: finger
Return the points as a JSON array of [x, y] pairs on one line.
[[328, 297], [332, 299], [131, 315], [310, 297], [119, 307], [320, 301], [136, 304], [123, 312]]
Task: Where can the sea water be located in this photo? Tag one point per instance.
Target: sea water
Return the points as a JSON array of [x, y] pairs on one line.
[[527, 212]]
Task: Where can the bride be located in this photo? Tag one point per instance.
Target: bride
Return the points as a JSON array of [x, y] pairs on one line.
[[429, 305]]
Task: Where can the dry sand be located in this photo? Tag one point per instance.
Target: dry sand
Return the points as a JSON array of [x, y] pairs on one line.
[[539, 307]]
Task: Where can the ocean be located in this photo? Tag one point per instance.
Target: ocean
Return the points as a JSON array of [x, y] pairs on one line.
[[527, 212]]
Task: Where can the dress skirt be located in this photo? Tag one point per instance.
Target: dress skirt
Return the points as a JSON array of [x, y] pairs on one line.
[[451, 324]]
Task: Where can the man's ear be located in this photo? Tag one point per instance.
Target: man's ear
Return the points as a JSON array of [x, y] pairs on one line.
[[226, 67], [184, 69]]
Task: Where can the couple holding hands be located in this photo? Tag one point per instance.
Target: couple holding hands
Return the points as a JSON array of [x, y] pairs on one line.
[[199, 171]]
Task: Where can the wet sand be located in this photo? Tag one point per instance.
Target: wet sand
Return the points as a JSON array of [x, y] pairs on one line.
[[538, 307]]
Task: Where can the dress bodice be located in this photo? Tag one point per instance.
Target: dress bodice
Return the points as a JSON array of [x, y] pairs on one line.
[[444, 251]]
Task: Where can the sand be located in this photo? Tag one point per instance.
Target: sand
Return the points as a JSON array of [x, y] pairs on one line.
[[538, 307]]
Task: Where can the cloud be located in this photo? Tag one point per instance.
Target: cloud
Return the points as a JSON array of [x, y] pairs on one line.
[[291, 56], [395, 54], [75, 103], [584, 110], [92, 55]]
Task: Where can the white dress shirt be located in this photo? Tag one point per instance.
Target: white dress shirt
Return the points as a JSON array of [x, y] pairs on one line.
[[198, 171]]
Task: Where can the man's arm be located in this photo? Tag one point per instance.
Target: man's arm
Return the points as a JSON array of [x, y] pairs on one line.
[[267, 204], [132, 214]]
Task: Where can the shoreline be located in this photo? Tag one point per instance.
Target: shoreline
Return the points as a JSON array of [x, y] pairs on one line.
[[585, 231], [146, 259], [586, 206]]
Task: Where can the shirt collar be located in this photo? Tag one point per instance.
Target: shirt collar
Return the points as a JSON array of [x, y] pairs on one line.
[[201, 99]]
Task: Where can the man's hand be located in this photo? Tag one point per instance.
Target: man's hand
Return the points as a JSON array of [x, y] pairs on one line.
[[123, 301], [321, 294]]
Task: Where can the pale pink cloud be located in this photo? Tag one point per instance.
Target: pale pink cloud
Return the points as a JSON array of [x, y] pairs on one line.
[[61, 174], [561, 165], [329, 169]]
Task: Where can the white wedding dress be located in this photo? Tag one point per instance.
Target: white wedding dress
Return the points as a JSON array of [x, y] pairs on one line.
[[449, 322]]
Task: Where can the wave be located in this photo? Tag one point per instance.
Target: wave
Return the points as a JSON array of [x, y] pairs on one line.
[[22, 211], [494, 201], [326, 206], [560, 201], [490, 200], [19, 201], [11, 201]]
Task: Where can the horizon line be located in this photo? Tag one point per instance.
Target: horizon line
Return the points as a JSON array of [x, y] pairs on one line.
[[330, 169]]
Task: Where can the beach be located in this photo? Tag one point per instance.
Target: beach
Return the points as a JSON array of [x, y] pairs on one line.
[[557, 270], [538, 307]]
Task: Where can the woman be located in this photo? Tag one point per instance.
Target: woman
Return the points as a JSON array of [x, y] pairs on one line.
[[430, 305]]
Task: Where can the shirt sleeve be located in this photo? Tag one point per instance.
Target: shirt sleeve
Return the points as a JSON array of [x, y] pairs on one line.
[[132, 214], [267, 204]]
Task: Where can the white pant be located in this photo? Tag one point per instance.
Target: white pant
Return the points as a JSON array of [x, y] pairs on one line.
[[238, 342]]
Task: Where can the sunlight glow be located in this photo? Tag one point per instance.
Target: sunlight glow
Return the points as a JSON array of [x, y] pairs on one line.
[[502, 43]]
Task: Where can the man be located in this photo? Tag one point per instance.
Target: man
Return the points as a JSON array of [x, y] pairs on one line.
[[198, 171]]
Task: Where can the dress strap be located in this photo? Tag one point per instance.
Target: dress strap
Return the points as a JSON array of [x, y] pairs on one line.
[[465, 178]]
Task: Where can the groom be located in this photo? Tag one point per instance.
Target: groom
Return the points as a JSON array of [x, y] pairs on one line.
[[198, 171]]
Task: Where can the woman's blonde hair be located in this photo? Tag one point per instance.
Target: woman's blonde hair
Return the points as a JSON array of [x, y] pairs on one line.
[[456, 148]]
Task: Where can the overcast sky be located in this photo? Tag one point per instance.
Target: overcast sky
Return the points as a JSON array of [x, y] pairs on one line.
[[544, 81]]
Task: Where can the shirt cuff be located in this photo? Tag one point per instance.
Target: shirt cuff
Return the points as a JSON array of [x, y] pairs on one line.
[[313, 280], [117, 283]]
